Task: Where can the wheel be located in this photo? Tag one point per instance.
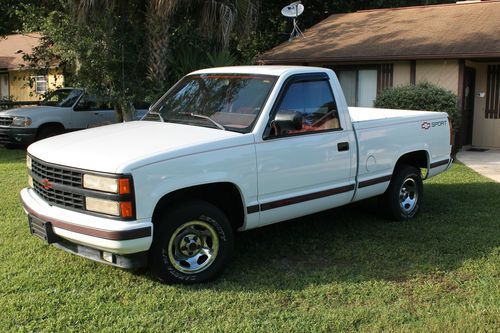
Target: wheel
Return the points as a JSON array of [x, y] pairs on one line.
[[47, 132], [191, 244], [403, 197]]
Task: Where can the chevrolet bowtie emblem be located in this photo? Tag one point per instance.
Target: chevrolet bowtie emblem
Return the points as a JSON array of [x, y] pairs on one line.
[[46, 184]]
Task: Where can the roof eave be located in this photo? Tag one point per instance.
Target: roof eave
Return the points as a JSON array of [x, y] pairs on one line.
[[291, 60]]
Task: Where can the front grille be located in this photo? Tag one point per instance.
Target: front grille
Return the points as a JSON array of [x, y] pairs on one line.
[[5, 121], [56, 175], [58, 197]]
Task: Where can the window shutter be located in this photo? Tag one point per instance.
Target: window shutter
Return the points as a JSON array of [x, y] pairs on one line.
[[385, 74], [492, 109]]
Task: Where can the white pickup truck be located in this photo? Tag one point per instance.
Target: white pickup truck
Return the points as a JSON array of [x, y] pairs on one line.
[[64, 110], [225, 150]]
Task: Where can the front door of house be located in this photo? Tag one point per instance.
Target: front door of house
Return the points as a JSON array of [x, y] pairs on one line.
[[468, 105]]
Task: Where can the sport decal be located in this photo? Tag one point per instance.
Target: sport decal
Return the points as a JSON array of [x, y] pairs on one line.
[[427, 125]]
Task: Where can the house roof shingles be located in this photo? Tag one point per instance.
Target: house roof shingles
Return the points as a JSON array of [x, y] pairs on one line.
[[469, 30], [13, 47]]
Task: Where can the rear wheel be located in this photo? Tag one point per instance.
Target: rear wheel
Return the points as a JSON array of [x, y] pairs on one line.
[[403, 197], [191, 244]]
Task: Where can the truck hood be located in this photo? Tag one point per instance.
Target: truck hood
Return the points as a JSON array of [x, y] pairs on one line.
[[121, 148], [28, 111]]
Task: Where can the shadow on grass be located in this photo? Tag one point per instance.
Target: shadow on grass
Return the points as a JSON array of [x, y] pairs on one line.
[[458, 222], [12, 155]]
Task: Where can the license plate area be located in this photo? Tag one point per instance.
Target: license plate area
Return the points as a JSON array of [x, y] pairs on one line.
[[42, 229]]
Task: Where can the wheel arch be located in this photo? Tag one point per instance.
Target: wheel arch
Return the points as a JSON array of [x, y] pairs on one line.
[[229, 199], [55, 124], [417, 158]]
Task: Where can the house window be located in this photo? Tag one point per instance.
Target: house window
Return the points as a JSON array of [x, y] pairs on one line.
[[41, 84], [492, 109], [4, 86], [361, 85]]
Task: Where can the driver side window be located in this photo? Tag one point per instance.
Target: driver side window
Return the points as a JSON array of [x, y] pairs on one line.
[[92, 103], [307, 107], [86, 103]]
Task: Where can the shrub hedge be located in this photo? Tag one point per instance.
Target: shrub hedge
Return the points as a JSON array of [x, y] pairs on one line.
[[422, 96]]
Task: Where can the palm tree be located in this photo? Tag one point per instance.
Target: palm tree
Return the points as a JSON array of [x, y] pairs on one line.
[[217, 19]]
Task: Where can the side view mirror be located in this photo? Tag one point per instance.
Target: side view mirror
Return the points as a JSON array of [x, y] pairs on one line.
[[286, 121]]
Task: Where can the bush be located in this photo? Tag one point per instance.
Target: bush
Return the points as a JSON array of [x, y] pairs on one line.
[[423, 96]]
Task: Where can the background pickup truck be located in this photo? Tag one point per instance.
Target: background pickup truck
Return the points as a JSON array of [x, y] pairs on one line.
[[225, 150], [64, 110]]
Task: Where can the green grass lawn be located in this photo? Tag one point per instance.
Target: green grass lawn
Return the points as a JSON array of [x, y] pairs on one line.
[[341, 270]]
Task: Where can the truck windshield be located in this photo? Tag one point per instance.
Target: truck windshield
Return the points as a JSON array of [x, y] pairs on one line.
[[62, 97], [223, 101]]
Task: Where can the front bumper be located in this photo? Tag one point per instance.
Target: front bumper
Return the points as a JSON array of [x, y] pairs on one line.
[[90, 236], [19, 136]]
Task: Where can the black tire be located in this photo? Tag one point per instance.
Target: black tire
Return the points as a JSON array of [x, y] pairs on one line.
[[403, 198], [196, 224], [48, 131]]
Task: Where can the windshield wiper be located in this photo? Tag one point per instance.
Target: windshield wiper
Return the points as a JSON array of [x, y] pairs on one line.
[[195, 115]]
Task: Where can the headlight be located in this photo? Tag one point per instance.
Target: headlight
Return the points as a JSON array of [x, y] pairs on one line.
[[102, 206], [121, 188], [30, 181], [110, 207], [21, 121], [106, 184]]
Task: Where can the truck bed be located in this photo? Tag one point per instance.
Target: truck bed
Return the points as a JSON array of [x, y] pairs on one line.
[[383, 135], [367, 117]]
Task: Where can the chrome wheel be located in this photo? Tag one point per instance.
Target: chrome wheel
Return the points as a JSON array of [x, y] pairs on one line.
[[408, 195], [193, 247]]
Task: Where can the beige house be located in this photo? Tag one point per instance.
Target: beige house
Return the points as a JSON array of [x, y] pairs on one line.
[[456, 46], [17, 82]]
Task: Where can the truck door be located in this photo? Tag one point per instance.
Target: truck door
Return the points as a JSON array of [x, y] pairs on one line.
[[92, 112], [304, 159]]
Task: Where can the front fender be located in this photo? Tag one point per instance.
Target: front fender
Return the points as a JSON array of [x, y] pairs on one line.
[[50, 116], [235, 165]]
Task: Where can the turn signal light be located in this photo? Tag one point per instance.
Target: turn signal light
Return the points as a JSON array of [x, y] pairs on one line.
[[126, 209], [124, 186]]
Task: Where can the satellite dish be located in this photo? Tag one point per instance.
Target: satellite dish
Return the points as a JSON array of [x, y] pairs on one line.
[[294, 10]]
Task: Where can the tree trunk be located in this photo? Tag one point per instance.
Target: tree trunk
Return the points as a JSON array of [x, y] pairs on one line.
[[157, 40], [119, 112]]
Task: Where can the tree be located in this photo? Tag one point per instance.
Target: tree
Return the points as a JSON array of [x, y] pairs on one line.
[[103, 54], [216, 18]]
